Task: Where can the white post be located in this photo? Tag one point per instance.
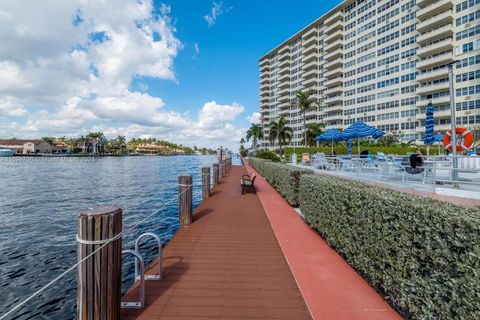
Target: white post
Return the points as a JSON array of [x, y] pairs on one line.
[[453, 126]]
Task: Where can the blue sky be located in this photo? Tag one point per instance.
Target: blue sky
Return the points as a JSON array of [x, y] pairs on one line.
[[226, 69], [184, 71]]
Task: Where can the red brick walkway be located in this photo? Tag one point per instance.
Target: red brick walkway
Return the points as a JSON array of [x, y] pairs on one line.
[[226, 265], [331, 288]]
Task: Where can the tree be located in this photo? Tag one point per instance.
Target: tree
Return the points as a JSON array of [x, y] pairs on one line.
[[255, 132], [391, 139], [97, 139], [305, 104], [280, 132], [49, 140], [314, 130]]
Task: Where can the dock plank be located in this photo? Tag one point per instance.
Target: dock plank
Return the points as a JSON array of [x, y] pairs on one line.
[[226, 265]]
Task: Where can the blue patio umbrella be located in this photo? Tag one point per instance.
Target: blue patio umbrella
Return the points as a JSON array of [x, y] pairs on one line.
[[349, 146], [429, 126], [331, 135], [361, 130]]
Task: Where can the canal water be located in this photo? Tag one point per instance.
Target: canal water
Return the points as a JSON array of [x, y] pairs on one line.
[[40, 199]]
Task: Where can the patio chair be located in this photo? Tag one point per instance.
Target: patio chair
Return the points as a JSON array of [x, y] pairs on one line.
[[306, 159], [248, 183], [319, 161], [381, 156], [413, 165]]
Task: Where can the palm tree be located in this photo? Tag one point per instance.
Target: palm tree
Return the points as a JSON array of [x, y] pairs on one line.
[[95, 138], [305, 104], [255, 132], [279, 131], [314, 130], [49, 140], [121, 143]]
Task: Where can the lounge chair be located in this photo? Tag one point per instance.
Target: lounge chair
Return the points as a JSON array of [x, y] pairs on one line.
[[413, 165], [306, 159], [248, 183]]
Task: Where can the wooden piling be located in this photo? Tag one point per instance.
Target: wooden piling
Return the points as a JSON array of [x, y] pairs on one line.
[[205, 182], [99, 276], [185, 200], [216, 170], [220, 170]]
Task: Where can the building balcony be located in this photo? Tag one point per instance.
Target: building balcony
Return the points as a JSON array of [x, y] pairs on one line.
[[266, 74], [284, 63], [333, 116], [310, 33], [422, 103], [310, 41], [333, 18], [284, 78], [435, 34], [333, 107], [435, 47], [264, 92], [334, 64], [334, 45], [285, 98], [435, 61], [433, 75], [334, 99], [335, 26], [329, 38], [437, 127], [265, 99], [310, 82], [333, 82], [334, 55], [312, 50], [309, 58], [311, 65], [264, 68], [283, 50], [311, 73], [265, 86], [264, 80], [436, 115], [333, 73], [263, 62], [435, 21], [423, 90], [333, 90], [433, 8]]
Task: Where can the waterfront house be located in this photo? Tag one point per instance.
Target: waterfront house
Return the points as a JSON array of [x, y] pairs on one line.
[[23, 146]]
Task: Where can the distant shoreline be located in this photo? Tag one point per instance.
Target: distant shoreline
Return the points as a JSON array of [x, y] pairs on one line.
[[99, 156]]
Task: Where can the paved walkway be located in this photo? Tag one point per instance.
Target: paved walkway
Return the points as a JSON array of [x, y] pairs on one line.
[[331, 288], [226, 265]]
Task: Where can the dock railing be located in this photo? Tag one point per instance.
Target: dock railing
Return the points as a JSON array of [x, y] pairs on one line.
[[100, 254]]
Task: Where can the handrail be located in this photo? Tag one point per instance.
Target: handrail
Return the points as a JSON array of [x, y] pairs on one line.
[[139, 261], [49, 284], [137, 249]]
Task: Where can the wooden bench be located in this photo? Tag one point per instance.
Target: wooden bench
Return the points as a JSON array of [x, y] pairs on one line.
[[248, 183]]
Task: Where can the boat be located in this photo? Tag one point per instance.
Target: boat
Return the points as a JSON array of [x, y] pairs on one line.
[[5, 152]]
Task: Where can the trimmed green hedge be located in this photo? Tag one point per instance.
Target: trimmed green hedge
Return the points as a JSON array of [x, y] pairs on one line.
[[422, 255], [284, 178], [342, 149]]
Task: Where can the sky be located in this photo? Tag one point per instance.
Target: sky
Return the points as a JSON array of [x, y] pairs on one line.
[[183, 71]]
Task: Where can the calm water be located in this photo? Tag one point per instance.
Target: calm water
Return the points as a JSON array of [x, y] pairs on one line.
[[40, 199]]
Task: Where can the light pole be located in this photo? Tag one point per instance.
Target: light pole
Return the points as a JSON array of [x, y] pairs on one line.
[[453, 124]]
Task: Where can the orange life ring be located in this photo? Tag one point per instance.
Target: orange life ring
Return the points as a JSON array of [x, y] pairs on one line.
[[464, 139]]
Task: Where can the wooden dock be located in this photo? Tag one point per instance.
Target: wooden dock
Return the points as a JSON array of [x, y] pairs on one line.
[[226, 265]]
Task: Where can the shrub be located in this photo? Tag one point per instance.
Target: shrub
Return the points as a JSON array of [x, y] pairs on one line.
[[342, 149], [267, 155], [284, 178], [422, 255]]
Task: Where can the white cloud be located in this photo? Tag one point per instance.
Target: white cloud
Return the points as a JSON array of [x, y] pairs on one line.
[[216, 11], [66, 68], [254, 117]]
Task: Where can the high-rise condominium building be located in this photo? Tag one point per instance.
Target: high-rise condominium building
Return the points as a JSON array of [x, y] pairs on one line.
[[381, 62]]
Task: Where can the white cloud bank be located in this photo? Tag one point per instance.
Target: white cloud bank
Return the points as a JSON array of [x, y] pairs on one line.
[[66, 68]]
